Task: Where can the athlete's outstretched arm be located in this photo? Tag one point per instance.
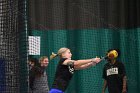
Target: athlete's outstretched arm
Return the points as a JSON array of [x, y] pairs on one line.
[[82, 63], [88, 65]]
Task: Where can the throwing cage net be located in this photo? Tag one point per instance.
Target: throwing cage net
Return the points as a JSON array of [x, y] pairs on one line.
[[13, 52]]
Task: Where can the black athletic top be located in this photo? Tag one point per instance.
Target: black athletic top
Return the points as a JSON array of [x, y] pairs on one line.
[[114, 74], [62, 76]]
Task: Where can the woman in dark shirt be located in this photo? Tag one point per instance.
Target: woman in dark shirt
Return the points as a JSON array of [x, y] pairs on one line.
[[66, 68]]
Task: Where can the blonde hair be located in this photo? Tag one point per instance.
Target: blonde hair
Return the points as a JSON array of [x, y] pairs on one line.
[[59, 53], [42, 58]]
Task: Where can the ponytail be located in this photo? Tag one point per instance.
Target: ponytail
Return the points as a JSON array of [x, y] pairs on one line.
[[59, 53], [53, 55]]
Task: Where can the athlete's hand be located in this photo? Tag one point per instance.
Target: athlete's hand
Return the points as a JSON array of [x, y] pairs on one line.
[[96, 60]]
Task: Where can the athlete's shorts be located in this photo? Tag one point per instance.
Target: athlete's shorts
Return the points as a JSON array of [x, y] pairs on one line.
[[56, 91]]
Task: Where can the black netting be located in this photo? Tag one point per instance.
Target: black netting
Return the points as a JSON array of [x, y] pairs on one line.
[[12, 28]]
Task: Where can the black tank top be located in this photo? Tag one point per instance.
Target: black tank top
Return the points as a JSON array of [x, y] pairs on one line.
[[62, 76]]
